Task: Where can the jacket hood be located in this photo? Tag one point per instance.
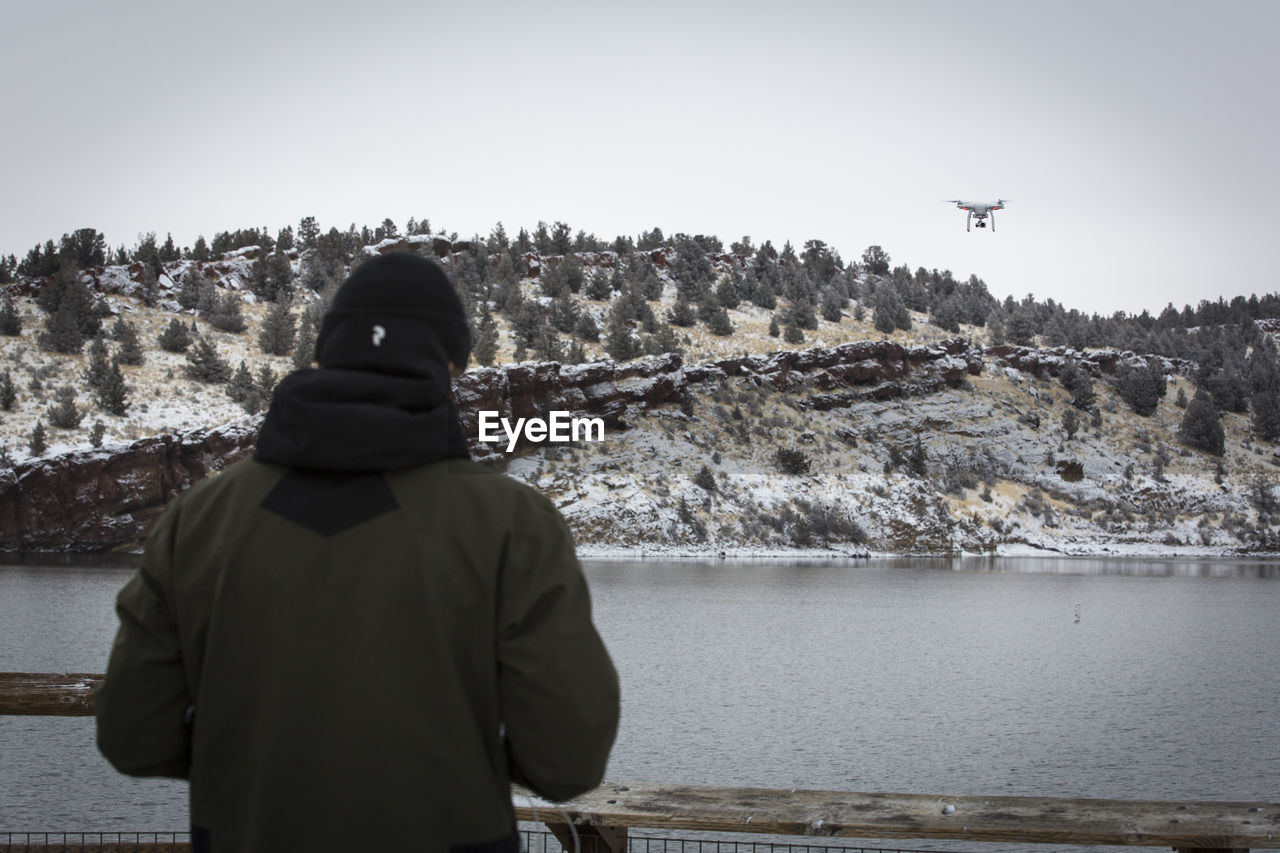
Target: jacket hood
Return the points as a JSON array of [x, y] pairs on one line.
[[354, 420]]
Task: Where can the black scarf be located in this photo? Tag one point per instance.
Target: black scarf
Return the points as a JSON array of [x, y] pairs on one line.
[[353, 420]]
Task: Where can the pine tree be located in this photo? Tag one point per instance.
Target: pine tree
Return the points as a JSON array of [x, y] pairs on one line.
[[563, 313], [175, 338], [8, 393], [84, 308], [10, 319], [226, 315], [486, 347], [661, 341], [727, 293], [801, 313], [720, 324], [62, 333], [586, 329], [126, 334], [63, 412], [113, 395], [1266, 413], [916, 461], [189, 290], [304, 349], [1201, 427], [1141, 387], [547, 345], [1070, 423], [1264, 378], [149, 288], [259, 282], [599, 288], [308, 233], [279, 276], [571, 271], [240, 385], [96, 374], [763, 295], [946, 315], [890, 312], [37, 443], [832, 305], [1080, 385], [682, 314], [265, 382], [875, 261], [791, 461], [200, 250], [278, 329], [97, 433], [205, 363], [206, 298], [619, 341]]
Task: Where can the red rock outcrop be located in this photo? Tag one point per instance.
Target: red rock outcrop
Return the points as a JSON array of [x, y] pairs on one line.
[[95, 500]]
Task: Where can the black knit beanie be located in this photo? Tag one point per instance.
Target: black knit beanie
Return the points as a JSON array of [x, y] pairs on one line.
[[397, 313]]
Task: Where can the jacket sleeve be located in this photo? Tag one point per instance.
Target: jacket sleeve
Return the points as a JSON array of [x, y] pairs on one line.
[[557, 685], [142, 705]]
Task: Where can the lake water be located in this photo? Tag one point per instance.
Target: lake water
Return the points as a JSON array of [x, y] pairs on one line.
[[926, 676]]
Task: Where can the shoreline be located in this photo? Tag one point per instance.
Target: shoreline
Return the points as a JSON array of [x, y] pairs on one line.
[[599, 552], [1076, 550]]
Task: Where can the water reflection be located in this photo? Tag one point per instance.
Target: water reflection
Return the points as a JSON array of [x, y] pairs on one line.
[[1202, 567], [44, 559], [1255, 568]]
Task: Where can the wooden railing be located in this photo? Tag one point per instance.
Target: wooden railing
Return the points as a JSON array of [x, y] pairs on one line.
[[603, 816]]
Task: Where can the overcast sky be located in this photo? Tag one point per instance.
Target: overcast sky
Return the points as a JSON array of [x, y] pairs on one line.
[[1136, 141]]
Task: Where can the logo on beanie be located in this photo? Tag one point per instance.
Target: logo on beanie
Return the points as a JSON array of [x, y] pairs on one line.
[[378, 334]]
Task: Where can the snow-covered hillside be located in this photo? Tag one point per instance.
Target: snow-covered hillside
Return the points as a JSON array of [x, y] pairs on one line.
[[979, 466]]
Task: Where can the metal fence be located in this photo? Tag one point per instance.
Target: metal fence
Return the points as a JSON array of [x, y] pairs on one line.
[[542, 841], [98, 842], [531, 841]]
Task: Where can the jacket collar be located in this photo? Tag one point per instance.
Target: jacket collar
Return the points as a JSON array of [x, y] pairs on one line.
[[354, 420]]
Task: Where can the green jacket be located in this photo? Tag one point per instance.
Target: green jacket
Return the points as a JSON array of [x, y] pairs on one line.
[[359, 660]]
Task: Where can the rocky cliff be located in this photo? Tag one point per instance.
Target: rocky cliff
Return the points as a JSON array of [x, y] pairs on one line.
[[98, 500]]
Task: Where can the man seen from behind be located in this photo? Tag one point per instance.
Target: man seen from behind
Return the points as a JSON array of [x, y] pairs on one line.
[[359, 638]]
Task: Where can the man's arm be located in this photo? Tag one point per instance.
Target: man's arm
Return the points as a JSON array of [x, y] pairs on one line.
[[142, 706], [558, 687]]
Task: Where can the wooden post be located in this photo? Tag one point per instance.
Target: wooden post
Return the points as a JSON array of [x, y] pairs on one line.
[[48, 694]]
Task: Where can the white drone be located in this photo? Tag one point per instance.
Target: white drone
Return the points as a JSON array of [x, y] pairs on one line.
[[979, 210]]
